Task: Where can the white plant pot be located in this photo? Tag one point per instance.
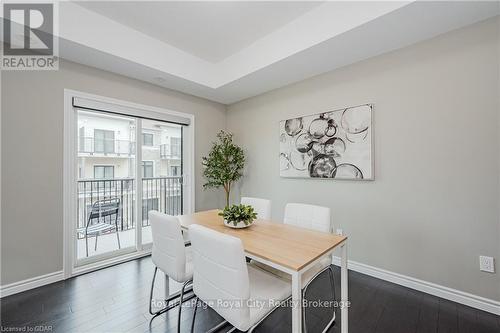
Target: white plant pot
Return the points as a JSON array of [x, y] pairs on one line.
[[239, 225]]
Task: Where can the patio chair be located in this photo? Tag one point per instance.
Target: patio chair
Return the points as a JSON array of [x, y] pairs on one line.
[[101, 220]]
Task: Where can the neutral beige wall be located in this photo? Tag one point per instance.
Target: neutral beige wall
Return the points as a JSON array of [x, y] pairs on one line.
[[434, 205], [433, 208], [32, 156]]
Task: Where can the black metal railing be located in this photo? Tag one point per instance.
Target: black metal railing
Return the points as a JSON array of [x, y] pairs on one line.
[[158, 193]]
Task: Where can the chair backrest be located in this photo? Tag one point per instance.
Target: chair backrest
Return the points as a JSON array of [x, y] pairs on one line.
[[261, 206], [308, 216], [169, 252], [103, 208], [220, 273]]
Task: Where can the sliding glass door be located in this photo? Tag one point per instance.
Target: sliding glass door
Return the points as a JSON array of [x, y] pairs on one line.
[[127, 166], [161, 171], [105, 186]]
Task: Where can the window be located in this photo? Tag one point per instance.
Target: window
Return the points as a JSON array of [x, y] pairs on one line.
[[104, 141], [107, 133], [81, 137], [175, 147], [164, 150], [147, 169], [104, 172], [147, 139], [174, 171]]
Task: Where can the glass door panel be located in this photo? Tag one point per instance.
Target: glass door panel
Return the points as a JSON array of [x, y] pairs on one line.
[[105, 224], [161, 171]]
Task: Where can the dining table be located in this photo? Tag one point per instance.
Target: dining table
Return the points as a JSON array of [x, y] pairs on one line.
[[285, 247]]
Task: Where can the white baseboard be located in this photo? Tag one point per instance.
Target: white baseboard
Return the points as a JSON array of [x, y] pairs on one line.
[[42, 280], [454, 295], [35, 282], [104, 263]]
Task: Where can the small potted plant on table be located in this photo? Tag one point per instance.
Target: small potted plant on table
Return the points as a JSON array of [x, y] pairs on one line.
[[238, 216]]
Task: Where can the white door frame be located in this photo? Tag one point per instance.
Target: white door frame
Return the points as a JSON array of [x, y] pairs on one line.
[[70, 177], [138, 186]]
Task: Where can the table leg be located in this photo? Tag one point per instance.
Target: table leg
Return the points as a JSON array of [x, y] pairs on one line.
[[296, 303], [344, 288]]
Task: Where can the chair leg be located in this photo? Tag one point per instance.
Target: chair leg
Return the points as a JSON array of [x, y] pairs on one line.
[[117, 231], [304, 322], [332, 285], [213, 329], [180, 305], [87, 244], [118, 238], [218, 327], [194, 314], [95, 247], [170, 298], [151, 292]]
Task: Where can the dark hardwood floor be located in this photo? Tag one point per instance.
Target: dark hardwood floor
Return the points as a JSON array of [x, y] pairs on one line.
[[116, 300]]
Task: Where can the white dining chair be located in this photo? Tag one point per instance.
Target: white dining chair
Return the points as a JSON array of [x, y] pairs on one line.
[[261, 206], [222, 273], [172, 257], [310, 217]]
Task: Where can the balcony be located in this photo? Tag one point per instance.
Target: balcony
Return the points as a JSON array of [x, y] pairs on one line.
[[169, 151], [159, 193], [105, 147]]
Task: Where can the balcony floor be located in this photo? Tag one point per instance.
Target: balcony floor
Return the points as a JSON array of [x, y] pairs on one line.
[[108, 243]]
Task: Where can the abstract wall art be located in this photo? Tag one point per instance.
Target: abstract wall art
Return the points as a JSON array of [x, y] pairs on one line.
[[335, 144]]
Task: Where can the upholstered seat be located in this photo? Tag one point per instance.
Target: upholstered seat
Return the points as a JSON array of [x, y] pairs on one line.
[[169, 252], [223, 280], [309, 217], [170, 255], [264, 287], [313, 218]]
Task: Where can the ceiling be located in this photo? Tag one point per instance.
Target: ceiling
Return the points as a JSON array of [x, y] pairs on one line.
[[209, 30], [230, 51]]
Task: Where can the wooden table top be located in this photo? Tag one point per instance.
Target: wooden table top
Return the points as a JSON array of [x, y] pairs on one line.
[[283, 244]]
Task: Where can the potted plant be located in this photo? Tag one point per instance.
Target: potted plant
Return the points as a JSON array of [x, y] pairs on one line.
[[238, 216], [224, 164]]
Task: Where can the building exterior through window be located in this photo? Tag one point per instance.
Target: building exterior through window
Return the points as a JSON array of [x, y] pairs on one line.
[[107, 153], [106, 147]]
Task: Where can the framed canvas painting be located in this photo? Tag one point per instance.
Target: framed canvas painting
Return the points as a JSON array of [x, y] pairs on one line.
[[335, 144]]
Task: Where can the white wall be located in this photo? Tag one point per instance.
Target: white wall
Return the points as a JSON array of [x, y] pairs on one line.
[[434, 205], [121, 164], [119, 125], [32, 156]]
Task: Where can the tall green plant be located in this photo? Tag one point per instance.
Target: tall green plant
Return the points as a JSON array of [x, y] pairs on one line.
[[224, 164]]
